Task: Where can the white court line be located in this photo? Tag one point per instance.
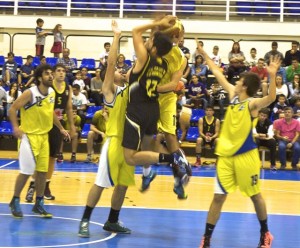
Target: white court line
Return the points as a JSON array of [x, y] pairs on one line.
[[11, 162]]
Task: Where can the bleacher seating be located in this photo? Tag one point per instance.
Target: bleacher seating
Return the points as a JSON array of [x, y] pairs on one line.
[[293, 8], [2, 60], [75, 61], [197, 114], [85, 130], [88, 63], [36, 61], [189, 8], [192, 134], [6, 128], [79, 4], [19, 60], [51, 61], [244, 7], [112, 4], [91, 111]]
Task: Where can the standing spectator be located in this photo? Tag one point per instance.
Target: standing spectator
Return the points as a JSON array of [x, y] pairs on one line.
[[294, 52], [97, 131], [252, 61], [40, 37], [197, 92], [287, 132], [279, 107], [121, 66], [262, 73], [209, 127], [217, 93], [199, 69], [69, 64], [264, 135], [215, 57], [184, 49], [25, 77], [196, 53], [104, 56], [274, 52], [236, 60], [293, 69], [9, 69], [96, 88], [80, 101], [58, 40], [3, 98]]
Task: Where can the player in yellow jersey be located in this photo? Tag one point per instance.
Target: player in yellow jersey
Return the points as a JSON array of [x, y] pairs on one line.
[[112, 170], [238, 162], [37, 117]]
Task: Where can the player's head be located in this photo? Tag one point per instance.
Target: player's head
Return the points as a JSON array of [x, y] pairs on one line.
[[59, 72], [209, 110], [250, 82], [43, 74], [161, 44]]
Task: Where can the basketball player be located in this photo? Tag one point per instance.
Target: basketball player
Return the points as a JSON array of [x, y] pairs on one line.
[[238, 163], [37, 116], [63, 104]]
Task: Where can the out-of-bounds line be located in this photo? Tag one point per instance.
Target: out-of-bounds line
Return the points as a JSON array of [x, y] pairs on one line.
[[11, 162]]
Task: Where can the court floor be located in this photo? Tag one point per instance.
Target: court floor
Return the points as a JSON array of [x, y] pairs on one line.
[[157, 218]]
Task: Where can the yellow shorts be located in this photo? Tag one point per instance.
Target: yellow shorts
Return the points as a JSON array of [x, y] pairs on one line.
[[33, 153], [113, 169], [167, 119], [241, 170]]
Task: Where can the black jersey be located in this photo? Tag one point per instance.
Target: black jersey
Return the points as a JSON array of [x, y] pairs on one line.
[[209, 129], [142, 85], [61, 100]]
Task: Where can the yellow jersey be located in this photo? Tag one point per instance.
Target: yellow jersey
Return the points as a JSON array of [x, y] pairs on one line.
[[99, 122], [236, 131], [37, 116]]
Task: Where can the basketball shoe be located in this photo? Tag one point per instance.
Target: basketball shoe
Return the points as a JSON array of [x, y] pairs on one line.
[[265, 240], [116, 227], [205, 242], [84, 231], [15, 208], [147, 180], [38, 208], [30, 192]]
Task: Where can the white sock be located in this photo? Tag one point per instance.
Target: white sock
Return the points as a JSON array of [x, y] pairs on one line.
[[146, 171]]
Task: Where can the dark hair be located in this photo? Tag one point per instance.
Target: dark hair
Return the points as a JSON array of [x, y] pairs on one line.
[[199, 56], [76, 86], [253, 49], [10, 54], [295, 58], [16, 92], [106, 44], [29, 57], [59, 66], [239, 47], [265, 111], [281, 95], [251, 81], [295, 42], [39, 72], [261, 59], [55, 29], [162, 43], [42, 57], [39, 20], [288, 108], [209, 107]]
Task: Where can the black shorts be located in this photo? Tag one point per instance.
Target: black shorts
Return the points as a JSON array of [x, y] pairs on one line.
[[141, 119], [55, 139]]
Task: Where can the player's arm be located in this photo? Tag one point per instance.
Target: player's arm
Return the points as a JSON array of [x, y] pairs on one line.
[[108, 87], [62, 130], [138, 42], [20, 102], [265, 101], [69, 111], [217, 130], [216, 71]]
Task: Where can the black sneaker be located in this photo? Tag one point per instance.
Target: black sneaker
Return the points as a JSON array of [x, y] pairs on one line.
[[47, 192], [116, 228], [38, 208], [15, 208], [179, 190], [30, 192], [60, 158], [205, 242], [181, 164], [84, 229], [73, 158]]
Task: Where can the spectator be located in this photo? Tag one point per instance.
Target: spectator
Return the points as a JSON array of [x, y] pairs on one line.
[[294, 52], [79, 81], [104, 56], [121, 66], [86, 77], [236, 60], [209, 127], [3, 98], [273, 52], [43, 60], [199, 69], [196, 53], [74, 139], [69, 64], [296, 109], [264, 135], [96, 88], [294, 89], [293, 69], [252, 61], [25, 78], [40, 37], [262, 74], [279, 107], [12, 95], [80, 101], [58, 40], [197, 94], [217, 93], [9, 69], [97, 131], [282, 72], [281, 88], [287, 132], [184, 49], [215, 57]]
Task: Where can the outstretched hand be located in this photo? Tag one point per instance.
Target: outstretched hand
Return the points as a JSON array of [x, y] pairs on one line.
[[167, 21], [274, 64], [115, 28]]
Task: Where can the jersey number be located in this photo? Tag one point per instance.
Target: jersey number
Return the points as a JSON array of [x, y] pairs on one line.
[[254, 179], [38, 101], [59, 100], [151, 86]]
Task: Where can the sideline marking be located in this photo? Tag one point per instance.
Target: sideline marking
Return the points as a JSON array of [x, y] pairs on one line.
[[11, 162]]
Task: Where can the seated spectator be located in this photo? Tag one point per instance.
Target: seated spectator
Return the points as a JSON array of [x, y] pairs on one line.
[[9, 69], [209, 127], [43, 60], [273, 52], [296, 109], [97, 131], [282, 72], [25, 76], [287, 132], [278, 110], [12, 95], [292, 69], [294, 89], [80, 101], [236, 60], [196, 53], [264, 135], [74, 140], [121, 66], [3, 98], [69, 65], [86, 77], [215, 57], [184, 49], [96, 88], [217, 93], [281, 88], [252, 60], [262, 73], [199, 69], [196, 93], [294, 52]]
